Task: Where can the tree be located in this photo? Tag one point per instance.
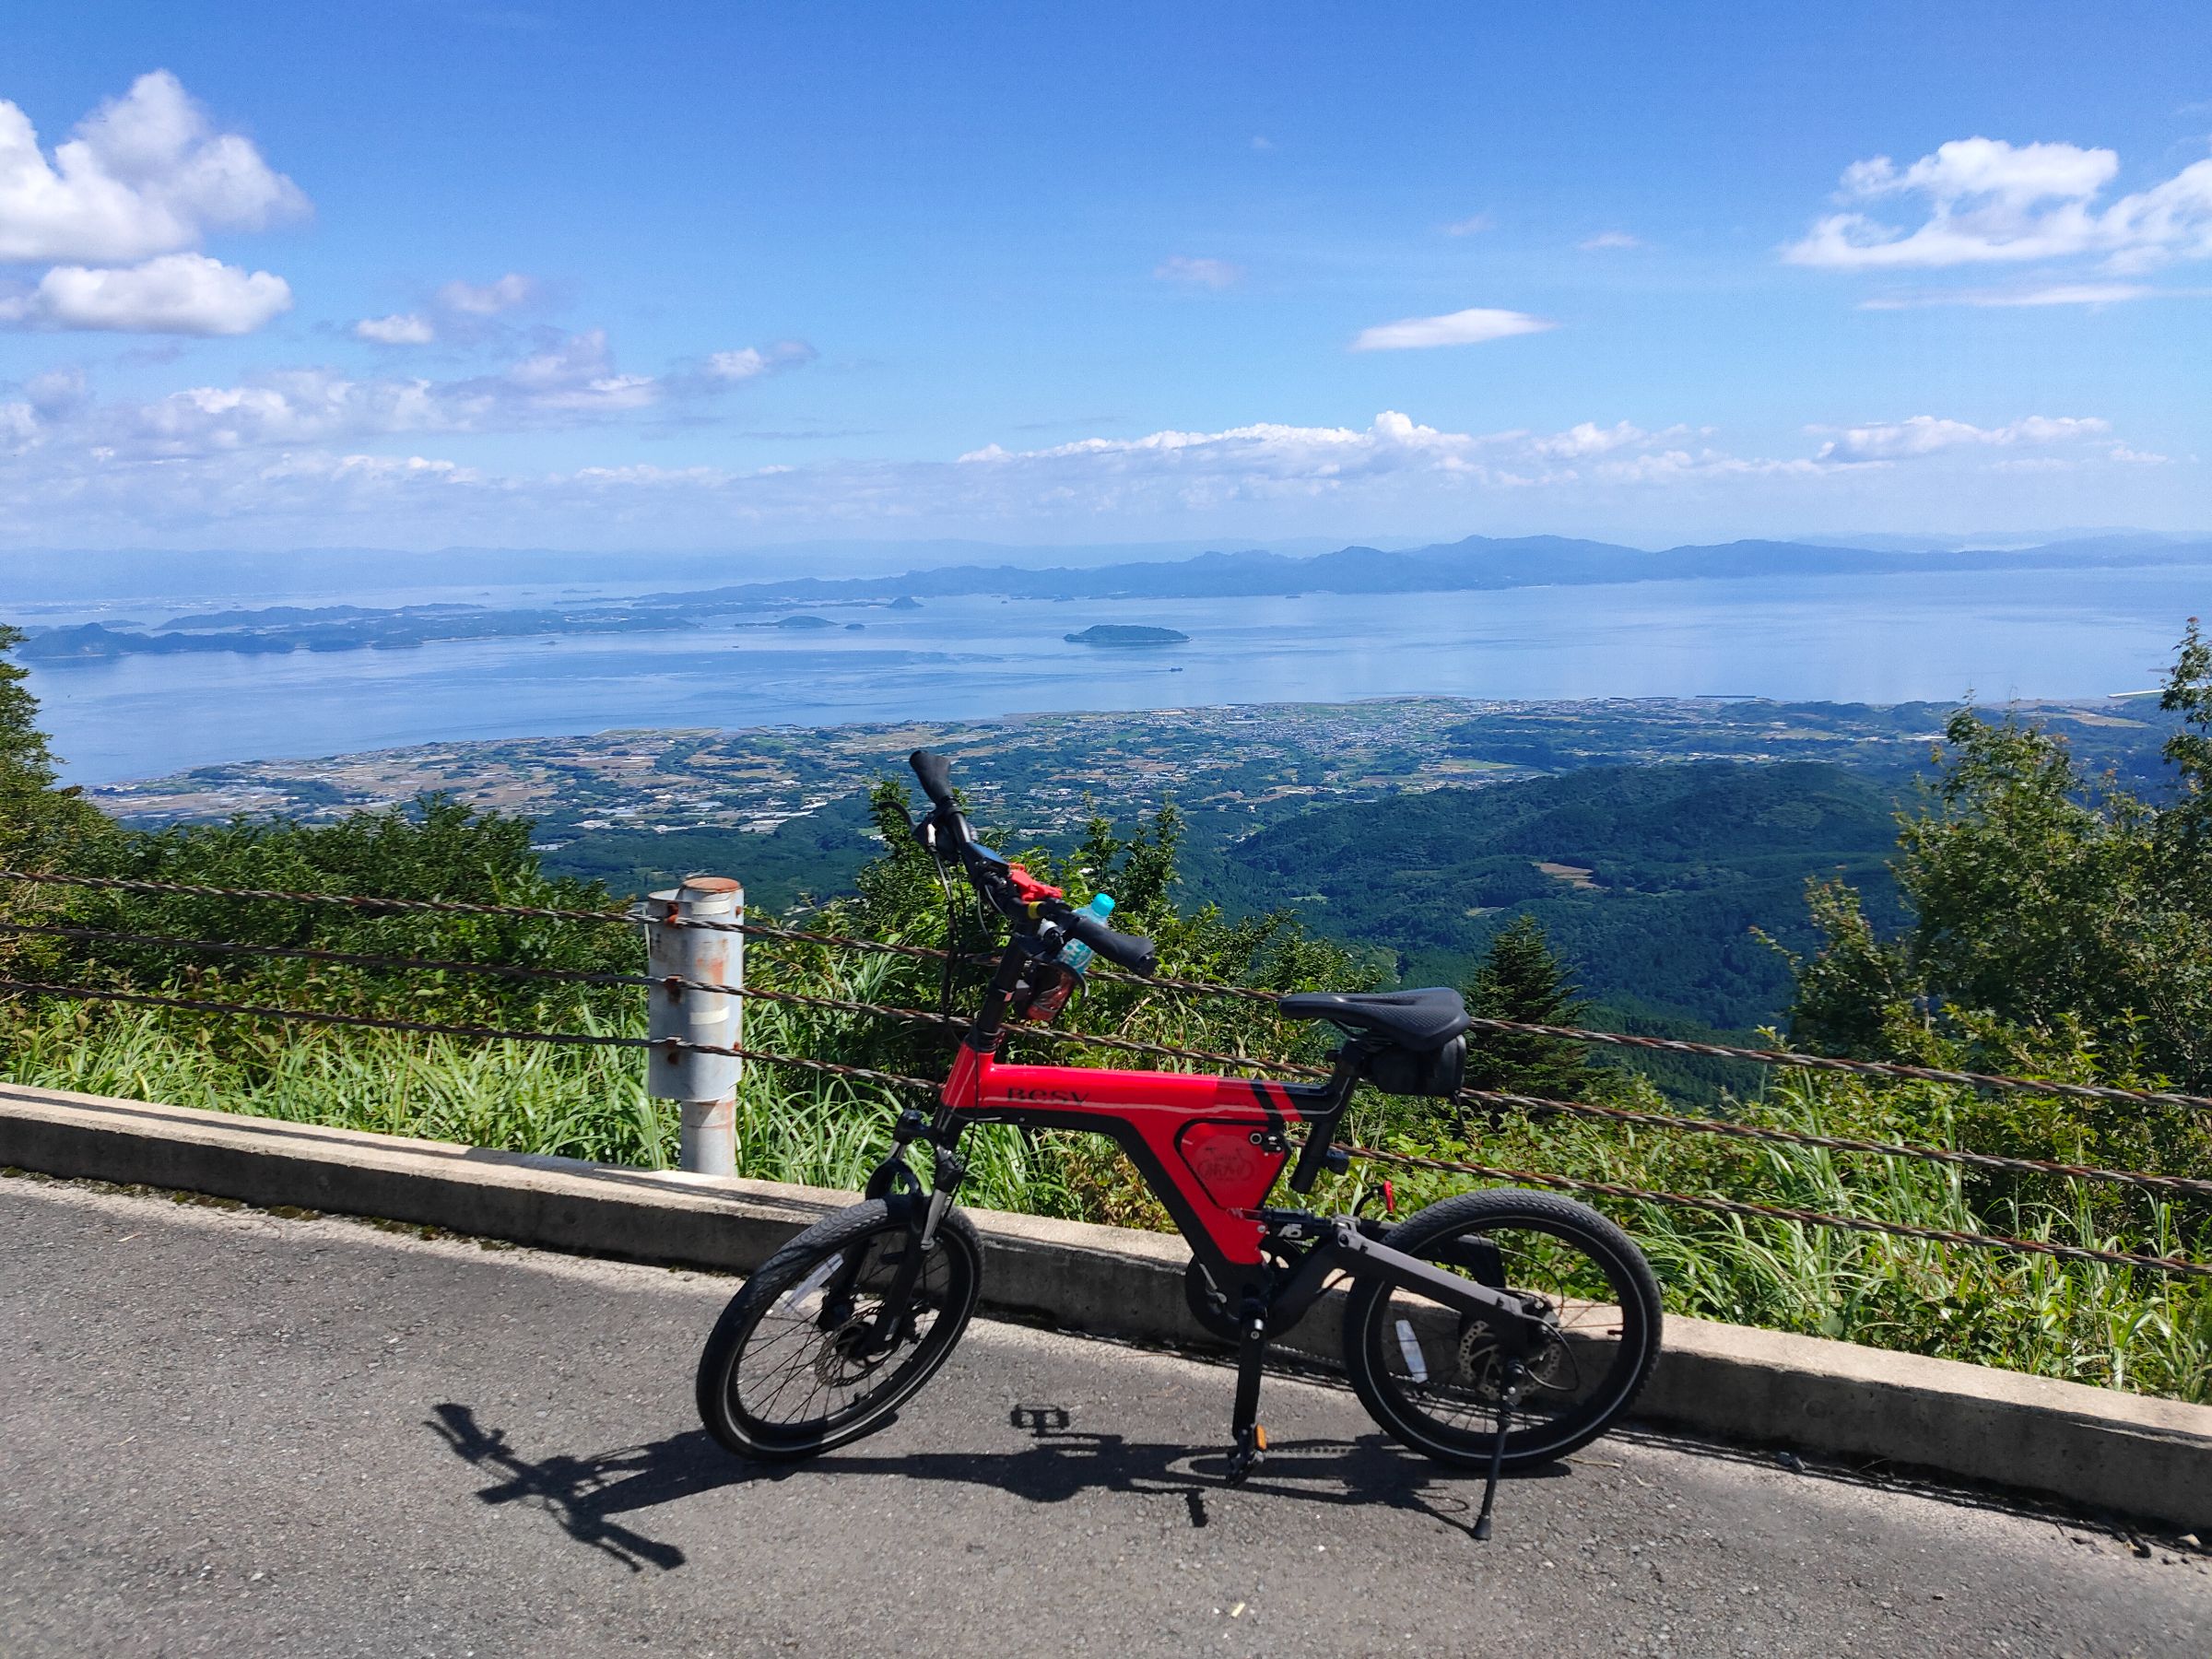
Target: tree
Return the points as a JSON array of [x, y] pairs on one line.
[[41, 822], [2052, 913], [1523, 979], [43, 825]]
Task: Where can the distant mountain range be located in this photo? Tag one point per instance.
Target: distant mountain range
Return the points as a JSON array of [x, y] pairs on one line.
[[1476, 562]]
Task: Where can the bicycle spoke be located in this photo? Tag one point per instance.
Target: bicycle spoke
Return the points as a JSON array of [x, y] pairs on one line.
[[1446, 1368], [798, 1374]]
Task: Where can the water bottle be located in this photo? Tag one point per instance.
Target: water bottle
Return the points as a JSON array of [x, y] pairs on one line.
[[1077, 954]]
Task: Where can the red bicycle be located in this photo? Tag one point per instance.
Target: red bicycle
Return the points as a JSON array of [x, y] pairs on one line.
[[1494, 1330]]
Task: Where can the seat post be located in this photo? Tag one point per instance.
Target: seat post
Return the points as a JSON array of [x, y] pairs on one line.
[[1322, 1121]]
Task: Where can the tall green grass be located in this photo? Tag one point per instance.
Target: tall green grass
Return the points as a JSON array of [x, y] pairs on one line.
[[2116, 1326], [568, 1101]]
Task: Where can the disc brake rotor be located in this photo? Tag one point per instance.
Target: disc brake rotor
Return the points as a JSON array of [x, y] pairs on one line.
[[1551, 1366], [844, 1358]]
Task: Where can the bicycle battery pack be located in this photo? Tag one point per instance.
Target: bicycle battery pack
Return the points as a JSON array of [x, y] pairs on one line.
[[1236, 1161]]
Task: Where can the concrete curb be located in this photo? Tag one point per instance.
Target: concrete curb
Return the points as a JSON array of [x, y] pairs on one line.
[[2093, 1446]]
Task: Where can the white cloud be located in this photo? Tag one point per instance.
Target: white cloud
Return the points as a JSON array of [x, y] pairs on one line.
[[1459, 328], [1199, 272], [177, 293], [750, 362], [1472, 224], [145, 174], [376, 468], [468, 312], [2060, 293], [295, 406], [1605, 239], [2067, 293], [2128, 457], [1269, 460], [487, 299], [570, 380], [1987, 200], [1590, 438], [578, 373], [1927, 435], [291, 458], [1680, 467], [55, 393], [402, 328]]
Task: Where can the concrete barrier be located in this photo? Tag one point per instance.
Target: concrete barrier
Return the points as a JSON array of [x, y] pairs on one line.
[[2098, 1447]]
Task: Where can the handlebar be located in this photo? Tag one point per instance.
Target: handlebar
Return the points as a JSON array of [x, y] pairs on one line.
[[1009, 890], [934, 771], [1124, 951]]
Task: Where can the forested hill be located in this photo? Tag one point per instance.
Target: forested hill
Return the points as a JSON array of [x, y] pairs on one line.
[[1648, 879]]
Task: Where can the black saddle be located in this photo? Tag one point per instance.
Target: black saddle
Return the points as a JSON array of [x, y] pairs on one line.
[[1420, 1020]]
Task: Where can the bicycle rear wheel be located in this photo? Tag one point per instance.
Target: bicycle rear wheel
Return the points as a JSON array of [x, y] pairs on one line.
[[1431, 1376], [798, 1363]]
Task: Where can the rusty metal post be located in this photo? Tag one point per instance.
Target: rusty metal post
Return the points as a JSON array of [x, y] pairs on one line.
[[705, 1084]]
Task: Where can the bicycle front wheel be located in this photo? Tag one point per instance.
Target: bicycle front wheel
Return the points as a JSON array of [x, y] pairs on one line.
[[803, 1358], [1431, 1376]]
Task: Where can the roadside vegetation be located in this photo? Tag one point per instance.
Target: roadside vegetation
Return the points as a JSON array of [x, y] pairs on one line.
[[2053, 924]]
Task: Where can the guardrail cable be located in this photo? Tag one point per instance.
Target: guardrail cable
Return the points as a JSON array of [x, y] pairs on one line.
[[2179, 1185], [1677, 1045], [360, 959], [1874, 1068], [380, 1022], [1778, 1212], [461, 907]]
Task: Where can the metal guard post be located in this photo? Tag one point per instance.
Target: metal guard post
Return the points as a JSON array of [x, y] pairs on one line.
[[706, 1085]]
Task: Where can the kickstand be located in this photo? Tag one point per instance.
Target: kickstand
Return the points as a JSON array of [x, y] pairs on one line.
[[1251, 1440], [1509, 1397]]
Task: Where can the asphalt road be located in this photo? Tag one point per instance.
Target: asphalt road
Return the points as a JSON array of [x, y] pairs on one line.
[[223, 1432]]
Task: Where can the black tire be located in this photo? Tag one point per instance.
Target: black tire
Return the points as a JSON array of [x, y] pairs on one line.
[[1427, 1374], [780, 1379]]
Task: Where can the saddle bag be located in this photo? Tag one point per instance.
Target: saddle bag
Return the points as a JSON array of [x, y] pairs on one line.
[[1432, 1073]]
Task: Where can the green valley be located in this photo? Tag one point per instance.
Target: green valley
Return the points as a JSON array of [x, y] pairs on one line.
[[1651, 880]]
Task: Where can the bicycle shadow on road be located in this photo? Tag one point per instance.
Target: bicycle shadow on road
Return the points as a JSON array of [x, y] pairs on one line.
[[1056, 1462]]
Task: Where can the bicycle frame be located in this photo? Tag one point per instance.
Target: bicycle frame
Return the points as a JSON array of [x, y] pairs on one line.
[[1211, 1149]]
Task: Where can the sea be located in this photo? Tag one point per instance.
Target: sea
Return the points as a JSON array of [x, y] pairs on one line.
[[2025, 636]]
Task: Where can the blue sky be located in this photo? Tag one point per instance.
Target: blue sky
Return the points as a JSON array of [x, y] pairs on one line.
[[695, 276]]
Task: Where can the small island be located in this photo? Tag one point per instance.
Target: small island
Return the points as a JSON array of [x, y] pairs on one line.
[[1117, 633]]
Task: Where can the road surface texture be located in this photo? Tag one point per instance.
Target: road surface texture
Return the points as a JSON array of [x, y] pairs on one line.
[[232, 1432]]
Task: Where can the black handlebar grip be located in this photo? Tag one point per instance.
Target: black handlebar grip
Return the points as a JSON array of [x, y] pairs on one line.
[[934, 771], [1124, 951]]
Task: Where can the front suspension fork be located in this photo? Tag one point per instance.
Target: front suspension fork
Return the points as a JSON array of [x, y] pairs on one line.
[[923, 1215]]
